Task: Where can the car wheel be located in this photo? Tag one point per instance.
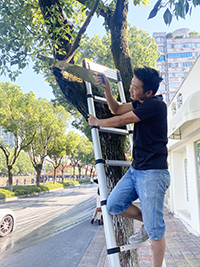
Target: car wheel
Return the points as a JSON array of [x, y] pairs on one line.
[[6, 225]]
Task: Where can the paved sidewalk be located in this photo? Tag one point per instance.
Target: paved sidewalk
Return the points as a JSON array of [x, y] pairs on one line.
[[182, 247]]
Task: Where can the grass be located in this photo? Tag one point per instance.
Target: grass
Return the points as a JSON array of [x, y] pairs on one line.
[[21, 190]]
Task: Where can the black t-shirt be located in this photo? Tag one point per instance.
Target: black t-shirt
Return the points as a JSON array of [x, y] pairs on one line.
[[150, 134]]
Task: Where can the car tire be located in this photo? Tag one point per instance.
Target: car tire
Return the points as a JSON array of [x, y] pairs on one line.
[[6, 225]]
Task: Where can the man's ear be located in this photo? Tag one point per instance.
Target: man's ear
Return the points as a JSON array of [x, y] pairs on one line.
[[149, 93]]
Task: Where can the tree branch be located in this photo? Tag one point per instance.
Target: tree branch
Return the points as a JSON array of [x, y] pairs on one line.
[[81, 32]]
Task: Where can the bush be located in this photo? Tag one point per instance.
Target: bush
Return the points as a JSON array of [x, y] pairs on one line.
[[30, 189]]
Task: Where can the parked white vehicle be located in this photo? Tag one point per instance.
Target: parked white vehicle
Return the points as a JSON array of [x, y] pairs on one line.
[[7, 221]]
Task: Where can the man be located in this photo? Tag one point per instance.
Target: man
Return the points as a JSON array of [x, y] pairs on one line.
[[148, 178]]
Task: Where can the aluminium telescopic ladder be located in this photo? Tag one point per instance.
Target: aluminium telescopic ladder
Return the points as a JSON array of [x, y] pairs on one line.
[[113, 76]]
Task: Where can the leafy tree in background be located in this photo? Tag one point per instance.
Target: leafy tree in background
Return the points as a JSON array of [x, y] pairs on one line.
[[72, 142], [57, 153], [52, 28], [52, 122], [85, 150], [17, 117]]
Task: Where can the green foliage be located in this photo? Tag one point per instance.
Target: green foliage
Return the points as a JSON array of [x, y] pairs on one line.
[[26, 190], [24, 33], [173, 8]]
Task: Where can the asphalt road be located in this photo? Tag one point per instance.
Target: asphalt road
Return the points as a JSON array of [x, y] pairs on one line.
[[52, 229]]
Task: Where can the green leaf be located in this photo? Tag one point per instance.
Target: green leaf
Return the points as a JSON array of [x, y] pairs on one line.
[[187, 6], [153, 13], [157, 4], [167, 17]]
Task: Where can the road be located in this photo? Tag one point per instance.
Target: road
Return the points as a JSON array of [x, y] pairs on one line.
[[52, 229]]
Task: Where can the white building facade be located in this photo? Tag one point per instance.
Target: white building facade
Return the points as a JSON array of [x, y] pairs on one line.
[[183, 196]]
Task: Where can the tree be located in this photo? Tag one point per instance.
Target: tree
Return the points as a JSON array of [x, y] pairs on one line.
[[23, 165], [72, 141], [57, 153], [52, 122], [84, 149], [17, 117]]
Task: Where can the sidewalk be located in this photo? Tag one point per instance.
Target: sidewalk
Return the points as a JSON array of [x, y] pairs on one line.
[[182, 247]]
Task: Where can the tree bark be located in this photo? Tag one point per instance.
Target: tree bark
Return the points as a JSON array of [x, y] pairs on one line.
[[38, 169], [10, 177]]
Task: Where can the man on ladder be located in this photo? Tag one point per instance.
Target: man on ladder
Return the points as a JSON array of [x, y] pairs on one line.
[[148, 178]]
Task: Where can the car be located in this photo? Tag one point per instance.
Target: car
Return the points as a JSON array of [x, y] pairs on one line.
[[7, 222]]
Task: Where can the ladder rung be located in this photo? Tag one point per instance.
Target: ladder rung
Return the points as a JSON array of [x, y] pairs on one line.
[[134, 246], [113, 130], [102, 100], [118, 163]]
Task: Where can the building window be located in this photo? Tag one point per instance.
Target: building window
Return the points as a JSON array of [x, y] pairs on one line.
[[179, 100], [177, 74], [175, 55], [162, 87], [174, 84], [169, 46], [186, 179], [161, 48], [161, 58], [173, 107], [195, 54], [195, 44], [186, 45], [160, 40]]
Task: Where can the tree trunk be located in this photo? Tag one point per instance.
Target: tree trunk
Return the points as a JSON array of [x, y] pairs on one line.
[[10, 177], [62, 171], [74, 172], [54, 175], [38, 169]]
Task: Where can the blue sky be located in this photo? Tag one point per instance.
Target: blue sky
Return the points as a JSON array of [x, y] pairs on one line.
[[29, 81]]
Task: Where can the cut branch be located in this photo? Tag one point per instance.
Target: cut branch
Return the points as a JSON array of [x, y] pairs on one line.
[[81, 32]]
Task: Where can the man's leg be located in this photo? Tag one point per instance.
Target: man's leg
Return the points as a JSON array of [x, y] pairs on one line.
[[132, 212], [158, 252]]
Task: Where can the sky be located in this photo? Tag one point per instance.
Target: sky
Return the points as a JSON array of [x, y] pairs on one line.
[[29, 81]]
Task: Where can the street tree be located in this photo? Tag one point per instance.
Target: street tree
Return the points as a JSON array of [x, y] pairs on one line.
[[84, 149], [52, 122], [52, 28], [18, 118], [72, 142], [57, 153]]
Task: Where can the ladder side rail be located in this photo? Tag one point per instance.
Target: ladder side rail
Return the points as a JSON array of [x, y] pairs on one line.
[[123, 100], [108, 223]]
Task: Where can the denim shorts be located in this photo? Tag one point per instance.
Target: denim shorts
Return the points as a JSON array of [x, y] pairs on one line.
[[150, 187]]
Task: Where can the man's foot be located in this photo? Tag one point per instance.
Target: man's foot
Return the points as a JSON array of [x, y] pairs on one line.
[[140, 237]]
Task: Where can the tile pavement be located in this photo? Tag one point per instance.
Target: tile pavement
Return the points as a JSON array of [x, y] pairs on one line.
[[182, 247]]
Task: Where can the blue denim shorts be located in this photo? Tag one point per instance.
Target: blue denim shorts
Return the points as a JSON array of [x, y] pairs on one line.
[[150, 187]]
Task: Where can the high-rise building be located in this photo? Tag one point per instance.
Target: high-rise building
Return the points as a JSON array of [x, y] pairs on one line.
[[178, 51]]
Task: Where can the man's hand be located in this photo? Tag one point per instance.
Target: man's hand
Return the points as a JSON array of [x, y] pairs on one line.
[[102, 80], [92, 121]]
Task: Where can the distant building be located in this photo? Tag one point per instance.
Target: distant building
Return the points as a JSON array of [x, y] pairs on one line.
[[179, 50], [7, 138]]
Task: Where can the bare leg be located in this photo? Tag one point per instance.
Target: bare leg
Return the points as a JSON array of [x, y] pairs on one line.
[[132, 212], [158, 252]]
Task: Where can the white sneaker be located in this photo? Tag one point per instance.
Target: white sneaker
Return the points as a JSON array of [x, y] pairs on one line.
[[140, 237]]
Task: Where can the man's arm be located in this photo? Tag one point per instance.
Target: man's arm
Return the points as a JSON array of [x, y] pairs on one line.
[[116, 121], [114, 106]]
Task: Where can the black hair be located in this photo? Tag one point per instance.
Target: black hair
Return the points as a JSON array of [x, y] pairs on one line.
[[149, 77]]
